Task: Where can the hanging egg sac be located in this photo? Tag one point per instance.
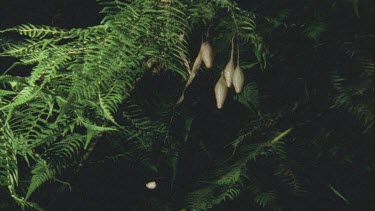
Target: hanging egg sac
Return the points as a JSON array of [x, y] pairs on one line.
[[229, 69], [207, 54], [192, 73], [197, 63], [238, 79], [221, 91], [228, 73]]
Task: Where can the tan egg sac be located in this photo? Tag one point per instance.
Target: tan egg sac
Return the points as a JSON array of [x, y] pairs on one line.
[[221, 91], [207, 54], [229, 69], [228, 73], [238, 79], [197, 63], [192, 74]]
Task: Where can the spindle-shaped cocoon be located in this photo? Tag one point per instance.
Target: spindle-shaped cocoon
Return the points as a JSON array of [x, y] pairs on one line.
[[207, 54], [238, 79], [197, 63], [229, 68], [228, 73], [221, 91]]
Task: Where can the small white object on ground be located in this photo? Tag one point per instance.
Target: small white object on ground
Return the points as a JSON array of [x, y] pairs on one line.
[[151, 185]]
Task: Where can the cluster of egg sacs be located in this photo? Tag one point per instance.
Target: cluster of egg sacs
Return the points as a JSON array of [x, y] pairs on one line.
[[230, 75]]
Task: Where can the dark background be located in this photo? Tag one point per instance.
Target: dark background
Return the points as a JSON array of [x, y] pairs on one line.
[[105, 186], [65, 14]]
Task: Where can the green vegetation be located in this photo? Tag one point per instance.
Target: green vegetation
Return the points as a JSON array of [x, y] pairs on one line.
[[90, 112]]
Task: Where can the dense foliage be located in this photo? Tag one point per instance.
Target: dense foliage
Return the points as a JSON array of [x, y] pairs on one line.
[[88, 113]]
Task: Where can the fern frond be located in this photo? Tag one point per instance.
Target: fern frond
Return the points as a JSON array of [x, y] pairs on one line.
[[33, 31], [8, 164], [41, 173], [25, 95]]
